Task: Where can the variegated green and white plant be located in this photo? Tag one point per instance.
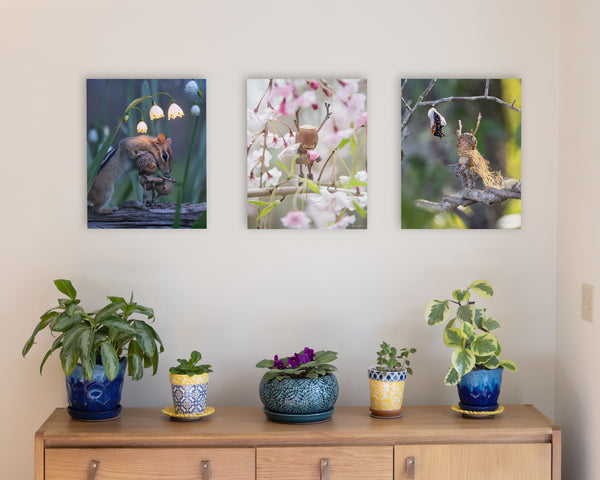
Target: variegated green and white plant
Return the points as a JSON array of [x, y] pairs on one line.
[[469, 332]]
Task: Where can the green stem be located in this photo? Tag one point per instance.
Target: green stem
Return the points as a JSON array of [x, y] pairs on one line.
[[188, 160]]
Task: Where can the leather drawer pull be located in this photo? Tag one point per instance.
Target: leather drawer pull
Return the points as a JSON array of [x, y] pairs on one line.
[[205, 466], [410, 468], [324, 469], [93, 469]]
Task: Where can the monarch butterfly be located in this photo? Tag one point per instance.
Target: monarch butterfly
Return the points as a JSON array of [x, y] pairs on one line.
[[436, 122]]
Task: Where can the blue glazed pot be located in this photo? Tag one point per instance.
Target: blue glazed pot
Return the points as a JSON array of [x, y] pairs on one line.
[[478, 390], [299, 395], [98, 398]]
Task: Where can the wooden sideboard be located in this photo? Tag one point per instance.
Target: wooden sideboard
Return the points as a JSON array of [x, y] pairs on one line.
[[427, 443]]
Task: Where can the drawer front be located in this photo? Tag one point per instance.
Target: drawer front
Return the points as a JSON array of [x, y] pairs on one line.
[[150, 463], [340, 463], [525, 461]]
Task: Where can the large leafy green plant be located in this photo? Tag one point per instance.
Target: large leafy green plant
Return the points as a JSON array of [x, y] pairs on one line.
[[469, 332], [106, 335]]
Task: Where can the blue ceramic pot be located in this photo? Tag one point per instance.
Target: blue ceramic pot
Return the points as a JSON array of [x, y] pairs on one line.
[[478, 390], [96, 399], [299, 395]]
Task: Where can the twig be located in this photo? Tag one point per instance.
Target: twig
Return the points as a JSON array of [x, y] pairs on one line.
[[284, 191], [469, 99], [469, 196], [433, 103], [478, 122], [423, 95]]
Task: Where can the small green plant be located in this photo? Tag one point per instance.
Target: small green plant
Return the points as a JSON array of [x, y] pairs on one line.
[[103, 336], [305, 364], [469, 332], [388, 359], [189, 367]]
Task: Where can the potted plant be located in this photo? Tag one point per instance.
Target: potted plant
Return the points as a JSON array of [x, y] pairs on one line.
[[387, 380], [189, 383], [299, 388], [475, 367], [95, 348]]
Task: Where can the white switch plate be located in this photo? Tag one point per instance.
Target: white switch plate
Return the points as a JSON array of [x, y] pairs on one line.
[[587, 302]]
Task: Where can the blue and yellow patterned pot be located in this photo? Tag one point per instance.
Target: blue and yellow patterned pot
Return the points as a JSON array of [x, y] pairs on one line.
[[299, 395], [386, 390], [96, 399], [478, 390], [189, 393]]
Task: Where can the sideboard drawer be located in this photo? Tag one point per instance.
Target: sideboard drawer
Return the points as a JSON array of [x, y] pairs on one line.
[[150, 463], [342, 463]]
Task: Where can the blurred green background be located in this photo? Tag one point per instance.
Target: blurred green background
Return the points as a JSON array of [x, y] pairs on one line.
[[428, 161]]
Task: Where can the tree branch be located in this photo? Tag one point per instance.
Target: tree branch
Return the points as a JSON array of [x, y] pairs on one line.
[[420, 103], [293, 190], [469, 196]]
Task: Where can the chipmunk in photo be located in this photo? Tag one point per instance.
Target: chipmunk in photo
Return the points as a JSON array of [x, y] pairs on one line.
[[121, 160]]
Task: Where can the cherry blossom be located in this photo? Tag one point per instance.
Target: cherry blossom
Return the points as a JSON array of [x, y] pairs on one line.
[[296, 219]]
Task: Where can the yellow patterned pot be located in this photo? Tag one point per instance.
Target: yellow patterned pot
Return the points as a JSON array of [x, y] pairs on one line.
[[387, 393], [189, 393]]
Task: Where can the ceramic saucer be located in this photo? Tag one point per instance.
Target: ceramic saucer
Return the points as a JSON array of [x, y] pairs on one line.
[[477, 414], [300, 417], [187, 417]]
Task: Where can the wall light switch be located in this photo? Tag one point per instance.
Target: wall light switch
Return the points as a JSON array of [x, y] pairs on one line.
[[587, 302]]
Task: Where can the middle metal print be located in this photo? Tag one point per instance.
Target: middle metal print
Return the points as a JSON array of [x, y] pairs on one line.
[[307, 153]]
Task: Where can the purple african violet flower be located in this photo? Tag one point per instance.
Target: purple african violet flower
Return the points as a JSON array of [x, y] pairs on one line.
[[310, 352], [303, 357], [279, 364], [293, 361]]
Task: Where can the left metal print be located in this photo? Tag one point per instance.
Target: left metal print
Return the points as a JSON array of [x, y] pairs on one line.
[[146, 153]]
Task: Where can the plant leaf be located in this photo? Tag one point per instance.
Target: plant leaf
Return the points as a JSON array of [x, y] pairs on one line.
[[437, 311], [454, 337], [463, 361], [483, 288], [509, 365], [452, 377], [66, 287], [46, 320], [466, 313], [110, 360], [492, 362], [461, 295], [490, 325], [484, 344]]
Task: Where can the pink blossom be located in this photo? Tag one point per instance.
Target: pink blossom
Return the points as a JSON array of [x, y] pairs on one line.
[[313, 84], [334, 139], [313, 154], [284, 90], [289, 152], [344, 222], [296, 219], [362, 120]]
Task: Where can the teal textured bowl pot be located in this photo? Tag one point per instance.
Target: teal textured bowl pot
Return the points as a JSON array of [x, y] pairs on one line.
[[299, 395]]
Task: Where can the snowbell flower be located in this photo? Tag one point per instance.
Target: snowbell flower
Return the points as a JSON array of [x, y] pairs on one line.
[[174, 111], [156, 112], [142, 127], [93, 135], [195, 111], [191, 88]]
